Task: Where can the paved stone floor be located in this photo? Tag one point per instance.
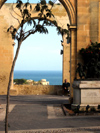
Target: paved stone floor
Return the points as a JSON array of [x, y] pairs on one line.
[[43, 114]]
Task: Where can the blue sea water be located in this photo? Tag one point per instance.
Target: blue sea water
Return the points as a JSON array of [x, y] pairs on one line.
[[54, 77]]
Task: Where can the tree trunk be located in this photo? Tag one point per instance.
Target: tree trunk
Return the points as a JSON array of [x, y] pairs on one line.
[[2, 2], [9, 85]]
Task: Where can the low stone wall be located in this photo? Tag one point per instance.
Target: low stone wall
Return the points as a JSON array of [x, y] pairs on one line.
[[36, 90]]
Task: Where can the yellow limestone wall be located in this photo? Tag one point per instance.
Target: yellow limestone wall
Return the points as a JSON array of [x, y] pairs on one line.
[[36, 90]]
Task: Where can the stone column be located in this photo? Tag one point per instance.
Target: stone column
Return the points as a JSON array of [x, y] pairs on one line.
[[66, 61], [73, 57], [6, 55]]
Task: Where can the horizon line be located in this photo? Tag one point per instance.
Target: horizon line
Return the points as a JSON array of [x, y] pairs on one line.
[[37, 70]]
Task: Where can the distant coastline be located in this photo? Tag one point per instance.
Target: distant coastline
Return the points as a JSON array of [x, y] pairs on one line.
[[54, 77]]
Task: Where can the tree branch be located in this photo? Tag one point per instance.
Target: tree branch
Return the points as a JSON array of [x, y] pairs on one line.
[[27, 31], [29, 34]]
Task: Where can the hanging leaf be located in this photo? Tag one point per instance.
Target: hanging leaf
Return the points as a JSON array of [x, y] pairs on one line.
[[52, 15], [41, 29], [58, 30], [65, 31], [26, 4], [19, 1], [43, 2], [45, 17], [44, 7], [25, 12], [15, 30], [41, 19], [30, 7], [54, 22], [34, 23], [48, 10], [13, 36], [29, 22], [19, 4], [51, 3], [40, 14], [37, 7], [8, 30], [48, 15]]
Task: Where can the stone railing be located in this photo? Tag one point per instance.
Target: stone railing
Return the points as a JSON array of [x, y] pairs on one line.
[[36, 90]]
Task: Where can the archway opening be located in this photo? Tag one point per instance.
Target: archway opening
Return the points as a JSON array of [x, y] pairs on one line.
[[40, 58]]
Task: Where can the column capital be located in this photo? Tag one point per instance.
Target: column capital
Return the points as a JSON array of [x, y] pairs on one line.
[[72, 27]]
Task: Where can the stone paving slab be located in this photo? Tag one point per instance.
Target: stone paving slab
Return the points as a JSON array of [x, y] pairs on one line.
[[61, 130], [30, 115], [3, 110]]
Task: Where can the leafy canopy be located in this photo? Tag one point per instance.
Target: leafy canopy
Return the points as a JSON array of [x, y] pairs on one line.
[[91, 61], [44, 11]]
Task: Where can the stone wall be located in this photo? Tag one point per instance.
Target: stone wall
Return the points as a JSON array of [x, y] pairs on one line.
[[36, 90]]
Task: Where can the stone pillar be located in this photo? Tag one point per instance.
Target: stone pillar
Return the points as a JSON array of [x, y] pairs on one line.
[[6, 54], [66, 61], [73, 57]]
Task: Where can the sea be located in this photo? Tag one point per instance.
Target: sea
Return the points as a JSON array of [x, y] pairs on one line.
[[54, 77]]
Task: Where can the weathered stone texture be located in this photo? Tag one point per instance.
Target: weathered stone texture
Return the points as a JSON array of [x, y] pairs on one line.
[[36, 90], [6, 54], [86, 92]]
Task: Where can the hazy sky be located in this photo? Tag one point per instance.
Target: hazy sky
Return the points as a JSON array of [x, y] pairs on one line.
[[40, 51]]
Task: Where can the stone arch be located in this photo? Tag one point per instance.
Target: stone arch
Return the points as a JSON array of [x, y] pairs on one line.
[[66, 3], [70, 8], [8, 19]]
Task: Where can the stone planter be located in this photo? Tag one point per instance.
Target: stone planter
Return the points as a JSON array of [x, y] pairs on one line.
[[86, 93]]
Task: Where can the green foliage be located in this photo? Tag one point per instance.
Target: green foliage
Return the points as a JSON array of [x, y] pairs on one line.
[[19, 4], [44, 12], [51, 3], [61, 31], [37, 7], [91, 61], [20, 81], [41, 29], [76, 110], [93, 109], [81, 70], [98, 106], [43, 2], [87, 108]]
